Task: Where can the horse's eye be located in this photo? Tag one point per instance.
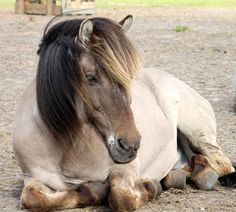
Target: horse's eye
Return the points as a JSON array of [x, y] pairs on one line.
[[91, 78]]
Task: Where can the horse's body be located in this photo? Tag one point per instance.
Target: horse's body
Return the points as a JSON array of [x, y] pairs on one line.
[[159, 139], [163, 108]]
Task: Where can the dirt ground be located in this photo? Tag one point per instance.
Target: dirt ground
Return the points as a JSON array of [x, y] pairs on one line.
[[204, 57]]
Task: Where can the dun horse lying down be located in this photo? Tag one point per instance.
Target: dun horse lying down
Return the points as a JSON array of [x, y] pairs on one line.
[[83, 133]]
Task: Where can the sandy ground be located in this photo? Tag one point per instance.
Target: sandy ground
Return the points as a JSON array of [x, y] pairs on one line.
[[204, 57]]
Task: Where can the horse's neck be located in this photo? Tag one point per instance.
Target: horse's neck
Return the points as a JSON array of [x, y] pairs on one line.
[[87, 142], [88, 150]]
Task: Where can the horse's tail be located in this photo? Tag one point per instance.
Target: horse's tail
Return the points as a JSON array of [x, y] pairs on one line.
[[229, 180]]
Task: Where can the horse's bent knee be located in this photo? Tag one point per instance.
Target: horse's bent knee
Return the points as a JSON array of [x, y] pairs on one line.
[[37, 196], [31, 197], [130, 199], [121, 200], [220, 163]]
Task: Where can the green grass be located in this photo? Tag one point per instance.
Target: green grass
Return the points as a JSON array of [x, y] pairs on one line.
[[149, 3], [7, 3], [181, 28], [161, 3]]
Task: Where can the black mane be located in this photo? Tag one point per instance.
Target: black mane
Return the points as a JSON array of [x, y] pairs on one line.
[[58, 73]]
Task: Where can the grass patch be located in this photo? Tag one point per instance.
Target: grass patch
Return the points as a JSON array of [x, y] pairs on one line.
[[164, 3], [181, 28], [148, 3], [7, 3]]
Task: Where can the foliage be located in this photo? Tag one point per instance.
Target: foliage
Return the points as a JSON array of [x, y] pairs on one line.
[[161, 3], [181, 28], [7, 3]]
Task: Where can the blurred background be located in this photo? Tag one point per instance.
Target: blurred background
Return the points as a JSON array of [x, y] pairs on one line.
[[146, 3]]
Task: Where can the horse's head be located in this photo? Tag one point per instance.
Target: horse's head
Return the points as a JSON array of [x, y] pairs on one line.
[[107, 76], [91, 77]]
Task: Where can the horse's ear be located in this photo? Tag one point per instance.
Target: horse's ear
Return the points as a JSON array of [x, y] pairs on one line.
[[126, 22], [85, 31]]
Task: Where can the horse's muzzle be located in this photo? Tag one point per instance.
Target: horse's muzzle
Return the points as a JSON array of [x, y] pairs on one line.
[[123, 152]]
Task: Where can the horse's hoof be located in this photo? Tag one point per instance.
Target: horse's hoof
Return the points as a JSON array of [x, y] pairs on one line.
[[175, 179], [159, 189], [152, 186], [206, 179]]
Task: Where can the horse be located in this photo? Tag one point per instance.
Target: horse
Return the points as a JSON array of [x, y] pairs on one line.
[[94, 126]]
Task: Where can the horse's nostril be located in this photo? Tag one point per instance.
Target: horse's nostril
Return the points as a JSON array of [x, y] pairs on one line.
[[136, 147], [131, 153], [122, 144]]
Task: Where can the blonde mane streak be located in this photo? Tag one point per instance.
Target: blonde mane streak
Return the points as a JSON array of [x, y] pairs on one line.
[[120, 59]]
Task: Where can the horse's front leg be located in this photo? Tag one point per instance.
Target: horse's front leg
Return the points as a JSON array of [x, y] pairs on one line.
[[127, 193], [38, 197]]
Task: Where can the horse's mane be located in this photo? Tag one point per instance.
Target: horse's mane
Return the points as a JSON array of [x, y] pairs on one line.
[[59, 74]]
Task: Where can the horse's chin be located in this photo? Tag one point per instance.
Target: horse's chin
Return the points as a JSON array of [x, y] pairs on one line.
[[123, 161], [119, 157]]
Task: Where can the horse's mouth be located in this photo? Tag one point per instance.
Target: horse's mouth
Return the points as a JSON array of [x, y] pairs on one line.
[[120, 156]]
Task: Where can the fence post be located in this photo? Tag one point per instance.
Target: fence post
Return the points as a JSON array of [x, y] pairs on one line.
[[50, 7], [19, 7]]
